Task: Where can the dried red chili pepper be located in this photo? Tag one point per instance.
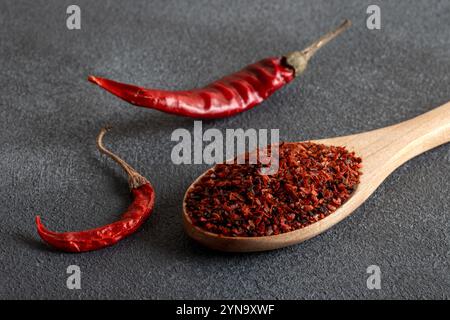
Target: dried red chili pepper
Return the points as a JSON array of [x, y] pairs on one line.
[[312, 181], [228, 96], [139, 210]]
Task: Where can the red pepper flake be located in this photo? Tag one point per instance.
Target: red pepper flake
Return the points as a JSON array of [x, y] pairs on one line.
[[312, 181]]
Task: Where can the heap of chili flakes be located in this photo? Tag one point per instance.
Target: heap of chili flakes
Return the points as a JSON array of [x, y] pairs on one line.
[[311, 182]]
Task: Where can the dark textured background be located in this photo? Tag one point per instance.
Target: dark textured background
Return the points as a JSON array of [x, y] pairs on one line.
[[50, 115]]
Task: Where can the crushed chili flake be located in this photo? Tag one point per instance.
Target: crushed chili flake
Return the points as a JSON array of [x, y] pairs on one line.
[[312, 181]]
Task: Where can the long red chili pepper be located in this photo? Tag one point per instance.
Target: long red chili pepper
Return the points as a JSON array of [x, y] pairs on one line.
[[139, 210], [228, 96]]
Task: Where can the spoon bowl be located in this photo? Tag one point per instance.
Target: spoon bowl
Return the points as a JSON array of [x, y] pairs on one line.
[[382, 151]]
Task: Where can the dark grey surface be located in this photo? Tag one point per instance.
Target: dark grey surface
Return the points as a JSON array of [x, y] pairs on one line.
[[50, 115]]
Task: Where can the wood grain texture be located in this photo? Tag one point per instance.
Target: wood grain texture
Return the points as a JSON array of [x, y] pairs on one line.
[[382, 151]]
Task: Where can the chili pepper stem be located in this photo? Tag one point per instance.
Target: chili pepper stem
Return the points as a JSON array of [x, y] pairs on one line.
[[135, 180], [299, 59]]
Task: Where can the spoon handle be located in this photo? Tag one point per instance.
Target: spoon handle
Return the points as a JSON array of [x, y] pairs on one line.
[[423, 132], [383, 150], [392, 146]]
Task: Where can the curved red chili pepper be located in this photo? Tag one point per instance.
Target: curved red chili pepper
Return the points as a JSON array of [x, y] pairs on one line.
[[139, 210], [228, 96], [222, 98]]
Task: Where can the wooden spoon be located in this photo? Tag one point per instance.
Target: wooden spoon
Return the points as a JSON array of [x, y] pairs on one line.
[[381, 150]]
